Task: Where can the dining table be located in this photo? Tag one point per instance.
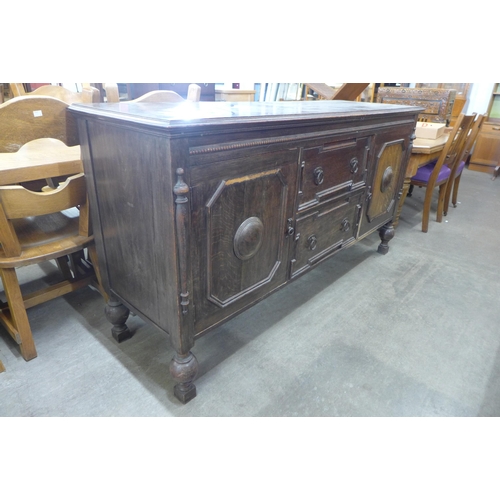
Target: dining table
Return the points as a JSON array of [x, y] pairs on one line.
[[41, 158]]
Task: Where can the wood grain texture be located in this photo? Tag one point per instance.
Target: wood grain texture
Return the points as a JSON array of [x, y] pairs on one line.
[[203, 209], [24, 119]]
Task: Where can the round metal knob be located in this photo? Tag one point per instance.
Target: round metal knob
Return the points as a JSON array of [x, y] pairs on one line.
[[319, 176], [353, 165], [345, 225], [312, 242]]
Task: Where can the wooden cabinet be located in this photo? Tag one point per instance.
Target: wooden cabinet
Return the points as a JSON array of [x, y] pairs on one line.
[[201, 211], [486, 154]]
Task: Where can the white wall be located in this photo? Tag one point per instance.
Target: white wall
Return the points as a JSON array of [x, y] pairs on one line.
[[479, 98]]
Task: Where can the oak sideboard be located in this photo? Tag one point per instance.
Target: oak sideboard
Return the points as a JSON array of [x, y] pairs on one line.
[[200, 210]]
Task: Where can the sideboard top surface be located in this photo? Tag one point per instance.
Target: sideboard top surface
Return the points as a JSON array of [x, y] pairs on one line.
[[191, 114]]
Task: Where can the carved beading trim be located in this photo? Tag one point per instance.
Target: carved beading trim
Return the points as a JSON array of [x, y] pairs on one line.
[[236, 145]]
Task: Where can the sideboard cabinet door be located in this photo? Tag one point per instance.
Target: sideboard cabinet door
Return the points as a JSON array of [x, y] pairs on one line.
[[240, 215], [389, 159]]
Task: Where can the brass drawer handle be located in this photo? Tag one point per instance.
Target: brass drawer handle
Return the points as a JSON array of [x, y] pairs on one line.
[[312, 242], [495, 128], [345, 225], [353, 165], [319, 176]]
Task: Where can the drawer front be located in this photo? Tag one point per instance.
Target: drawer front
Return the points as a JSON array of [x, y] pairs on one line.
[[331, 168], [494, 128], [324, 230]]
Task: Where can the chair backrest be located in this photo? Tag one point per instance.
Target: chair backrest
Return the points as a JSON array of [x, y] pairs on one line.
[[471, 139], [194, 94], [25, 118], [88, 94], [438, 103], [454, 147], [456, 151], [17, 202]]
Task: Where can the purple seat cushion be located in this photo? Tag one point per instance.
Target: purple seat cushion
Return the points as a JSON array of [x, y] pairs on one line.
[[423, 173]]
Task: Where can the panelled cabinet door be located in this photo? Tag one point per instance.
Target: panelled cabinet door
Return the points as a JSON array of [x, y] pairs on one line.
[[487, 148], [243, 233], [389, 159]]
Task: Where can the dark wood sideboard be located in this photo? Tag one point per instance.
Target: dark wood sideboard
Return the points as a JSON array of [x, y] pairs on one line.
[[200, 210]]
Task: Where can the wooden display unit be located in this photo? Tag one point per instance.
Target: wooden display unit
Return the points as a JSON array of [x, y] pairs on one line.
[[201, 211], [486, 154]]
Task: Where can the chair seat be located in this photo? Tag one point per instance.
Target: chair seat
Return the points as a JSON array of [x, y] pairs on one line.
[[46, 237], [424, 173]]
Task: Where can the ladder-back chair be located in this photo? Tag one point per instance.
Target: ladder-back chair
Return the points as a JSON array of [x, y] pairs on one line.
[[88, 93], [438, 174], [454, 183], [49, 223]]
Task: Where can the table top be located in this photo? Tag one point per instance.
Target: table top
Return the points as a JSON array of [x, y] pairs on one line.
[[39, 159], [188, 114]]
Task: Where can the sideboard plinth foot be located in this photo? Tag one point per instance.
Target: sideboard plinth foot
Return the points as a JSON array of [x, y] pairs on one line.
[[386, 234], [183, 369], [117, 315]]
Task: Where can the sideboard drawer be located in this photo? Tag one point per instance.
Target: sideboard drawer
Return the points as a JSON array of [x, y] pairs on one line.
[[324, 230], [332, 167]]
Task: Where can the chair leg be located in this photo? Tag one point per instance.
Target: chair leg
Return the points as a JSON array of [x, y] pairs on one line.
[[18, 313], [456, 184], [93, 258], [447, 196], [426, 209], [441, 201]]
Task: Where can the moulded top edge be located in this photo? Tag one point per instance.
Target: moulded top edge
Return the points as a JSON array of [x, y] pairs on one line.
[[189, 113]]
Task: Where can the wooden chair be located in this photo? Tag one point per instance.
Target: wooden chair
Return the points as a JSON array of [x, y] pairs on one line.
[[88, 94], [455, 176], [438, 174], [25, 118], [36, 226], [34, 229], [194, 94]]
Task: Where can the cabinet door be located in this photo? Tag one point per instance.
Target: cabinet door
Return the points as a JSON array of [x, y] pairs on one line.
[[241, 242], [487, 149], [386, 173]]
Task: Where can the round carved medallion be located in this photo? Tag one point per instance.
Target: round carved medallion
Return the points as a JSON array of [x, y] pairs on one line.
[[386, 179], [248, 238]]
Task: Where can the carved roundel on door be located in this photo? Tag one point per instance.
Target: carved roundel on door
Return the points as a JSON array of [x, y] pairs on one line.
[[248, 238], [386, 179]]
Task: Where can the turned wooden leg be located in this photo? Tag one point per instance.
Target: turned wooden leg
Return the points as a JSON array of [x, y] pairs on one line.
[[20, 328], [183, 369], [386, 234], [441, 200], [456, 185], [117, 315]]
